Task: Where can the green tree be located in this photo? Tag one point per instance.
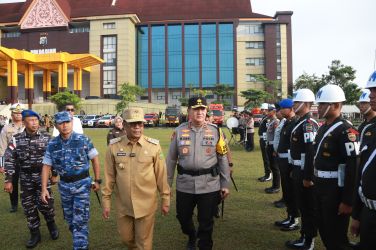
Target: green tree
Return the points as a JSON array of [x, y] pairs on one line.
[[271, 86], [128, 94], [306, 81], [343, 76], [254, 97], [222, 91], [65, 97], [200, 92], [183, 101]]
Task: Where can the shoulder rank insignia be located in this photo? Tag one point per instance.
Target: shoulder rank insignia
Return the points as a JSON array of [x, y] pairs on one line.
[[115, 140], [152, 140]]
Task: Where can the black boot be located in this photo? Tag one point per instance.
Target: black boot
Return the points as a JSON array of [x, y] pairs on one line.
[[191, 244], [34, 238], [54, 232]]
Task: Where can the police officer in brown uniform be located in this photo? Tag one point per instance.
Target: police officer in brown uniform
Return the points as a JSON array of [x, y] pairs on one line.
[[199, 151], [5, 137], [135, 171]]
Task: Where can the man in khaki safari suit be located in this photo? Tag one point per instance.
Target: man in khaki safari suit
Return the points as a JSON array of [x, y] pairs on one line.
[[135, 170]]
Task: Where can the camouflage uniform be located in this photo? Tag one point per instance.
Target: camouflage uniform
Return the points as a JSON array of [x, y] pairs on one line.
[[72, 158], [5, 137], [26, 152]]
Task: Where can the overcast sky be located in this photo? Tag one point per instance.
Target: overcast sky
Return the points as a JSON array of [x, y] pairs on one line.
[[324, 30]]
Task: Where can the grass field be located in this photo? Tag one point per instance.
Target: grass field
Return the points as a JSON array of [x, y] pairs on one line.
[[248, 219]]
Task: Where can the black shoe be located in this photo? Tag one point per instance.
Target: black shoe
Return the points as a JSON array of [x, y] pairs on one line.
[[293, 225], [261, 178], [191, 244], [309, 244], [355, 245], [13, 209], [272, 190], [34, 238], [280, 204], [266, 178], [295, 244], [282, 223], [52, 228]]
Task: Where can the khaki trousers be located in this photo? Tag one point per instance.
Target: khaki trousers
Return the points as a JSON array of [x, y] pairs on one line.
[[137, 233]]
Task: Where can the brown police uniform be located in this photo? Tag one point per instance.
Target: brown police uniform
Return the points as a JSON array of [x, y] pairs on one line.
[[135, 172]]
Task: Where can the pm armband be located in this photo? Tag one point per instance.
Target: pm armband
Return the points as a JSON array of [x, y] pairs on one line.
[[221, 146]]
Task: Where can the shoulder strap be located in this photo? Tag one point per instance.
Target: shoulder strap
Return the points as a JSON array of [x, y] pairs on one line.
[[331, 129], [296, 127], [369, 161], [364, 130]]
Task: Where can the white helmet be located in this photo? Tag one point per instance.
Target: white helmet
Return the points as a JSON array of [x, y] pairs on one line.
[[16, 108], [371, 81], [303, 95], [364, 97], [264, 106], [330, 93]]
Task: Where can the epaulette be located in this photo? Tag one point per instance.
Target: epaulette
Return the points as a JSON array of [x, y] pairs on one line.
[[212, 124], [152, 140], [183, 124], [115, 140]]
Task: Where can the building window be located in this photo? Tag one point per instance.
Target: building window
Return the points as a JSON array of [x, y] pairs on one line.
[[254, 61], [254, 45], [158, 54], [160, 97], [175, 97], [250, 29], [79, 30], [175, 79], [226, 53], [142, 56], [10, 34], [192, 56], [109, 53], [109, 26], [250, 78], [209, 55]]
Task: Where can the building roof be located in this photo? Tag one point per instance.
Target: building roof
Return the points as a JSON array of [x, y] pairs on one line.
[[146, 10]]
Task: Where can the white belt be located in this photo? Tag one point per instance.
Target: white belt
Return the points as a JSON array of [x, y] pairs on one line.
[[283, 155], [326, 174], [371, 204]]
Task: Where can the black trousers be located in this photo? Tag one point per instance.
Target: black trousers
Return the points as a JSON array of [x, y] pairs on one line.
[[332, 227], [306, 203], [206, 207], [274, 167], [287, 185], [242, 133], [14, 195], [265, 158], [368, 229], [250, 145]]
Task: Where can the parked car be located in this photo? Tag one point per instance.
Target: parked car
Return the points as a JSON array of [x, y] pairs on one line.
[[90, 121], [106, 121], [81, 117], [152, 119]]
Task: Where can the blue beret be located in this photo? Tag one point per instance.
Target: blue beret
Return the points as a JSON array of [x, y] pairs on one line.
[[63, 116], [286, 103], [29, 113]]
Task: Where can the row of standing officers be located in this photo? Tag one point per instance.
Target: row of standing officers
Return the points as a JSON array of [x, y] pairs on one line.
[[322, 179]]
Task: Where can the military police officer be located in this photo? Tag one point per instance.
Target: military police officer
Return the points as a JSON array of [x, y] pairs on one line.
[[25, 152], [364, 208], [263, 143], [70, 154], [335, 162], [301, 158], [199, 151], [5, 137], [135, 167], [289, 122], [369, 115]]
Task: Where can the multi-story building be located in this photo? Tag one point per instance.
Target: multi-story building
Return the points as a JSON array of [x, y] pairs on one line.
[[167, 47]]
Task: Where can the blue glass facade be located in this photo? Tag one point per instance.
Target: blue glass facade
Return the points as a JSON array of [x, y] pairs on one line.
[[175, 56], [158, 57], [142, 56], [192, 55], [217, 43]]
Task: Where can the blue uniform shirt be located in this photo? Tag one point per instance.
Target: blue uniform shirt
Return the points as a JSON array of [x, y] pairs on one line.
[[70, 157]]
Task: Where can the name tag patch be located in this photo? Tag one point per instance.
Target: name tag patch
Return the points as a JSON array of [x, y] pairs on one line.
[[121, 154]]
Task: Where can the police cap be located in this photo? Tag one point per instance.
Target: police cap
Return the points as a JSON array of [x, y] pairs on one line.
[[197, 102]]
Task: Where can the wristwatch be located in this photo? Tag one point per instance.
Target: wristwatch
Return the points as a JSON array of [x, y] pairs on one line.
[[99, 181]]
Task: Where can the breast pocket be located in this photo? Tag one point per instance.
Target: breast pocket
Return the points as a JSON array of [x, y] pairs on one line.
[[144, 163]]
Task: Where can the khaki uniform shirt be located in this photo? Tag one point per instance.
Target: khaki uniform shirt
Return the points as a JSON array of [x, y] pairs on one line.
[[135, 172], [194, 149], [6, 135]]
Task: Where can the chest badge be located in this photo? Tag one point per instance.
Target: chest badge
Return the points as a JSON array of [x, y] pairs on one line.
[[121, 154], [121, 150], [121, 166]]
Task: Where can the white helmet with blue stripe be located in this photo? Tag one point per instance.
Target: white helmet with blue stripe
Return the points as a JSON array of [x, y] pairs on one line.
[[364, 97], [371, 81]]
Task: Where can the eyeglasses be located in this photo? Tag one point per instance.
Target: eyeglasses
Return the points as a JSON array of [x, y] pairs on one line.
[[71, 110]]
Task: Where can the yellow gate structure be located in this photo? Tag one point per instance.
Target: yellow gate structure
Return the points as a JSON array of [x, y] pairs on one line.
[[14, 62]]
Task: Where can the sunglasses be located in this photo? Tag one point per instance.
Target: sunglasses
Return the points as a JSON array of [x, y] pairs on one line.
[[72, 110]]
